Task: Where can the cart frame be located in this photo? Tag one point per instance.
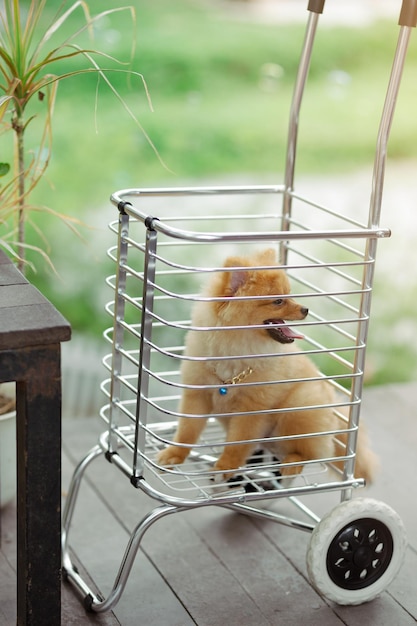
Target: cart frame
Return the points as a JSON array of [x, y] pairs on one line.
[[146, 254]]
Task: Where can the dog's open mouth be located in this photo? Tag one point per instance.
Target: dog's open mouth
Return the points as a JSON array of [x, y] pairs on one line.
[[283, 334]]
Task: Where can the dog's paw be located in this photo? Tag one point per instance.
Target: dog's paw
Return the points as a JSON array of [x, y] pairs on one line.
[[219, 478], [223, 472], [292, 470], [171, 456]]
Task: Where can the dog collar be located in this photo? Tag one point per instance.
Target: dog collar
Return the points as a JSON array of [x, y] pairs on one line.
[[235, 380]]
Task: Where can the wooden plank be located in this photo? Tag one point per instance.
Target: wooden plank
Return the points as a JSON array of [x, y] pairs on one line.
[[4, 259], [37, 324], [383, 611], [27, 318], [209, 589], [100, 538], [34, 325], [8, 565], [7, 593], [389, 410], [31, 330], [403, 588], [72, 611], [263, 571], [195, 576], [19, 295], [212, 553], [224, 567], [10, 276], [394, 439]]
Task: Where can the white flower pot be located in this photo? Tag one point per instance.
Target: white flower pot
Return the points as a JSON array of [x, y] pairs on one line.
[[7, 458]]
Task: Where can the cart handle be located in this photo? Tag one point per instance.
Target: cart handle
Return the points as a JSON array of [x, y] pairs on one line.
[[316, 6], [408, 15]]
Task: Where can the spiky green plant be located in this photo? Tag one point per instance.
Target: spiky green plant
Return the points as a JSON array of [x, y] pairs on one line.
[[31, 66]]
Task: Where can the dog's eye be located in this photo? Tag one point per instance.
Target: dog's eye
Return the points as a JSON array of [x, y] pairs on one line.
[[279, 301]]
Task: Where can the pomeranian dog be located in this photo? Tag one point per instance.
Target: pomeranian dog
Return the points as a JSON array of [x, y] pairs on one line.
[[219, 355]]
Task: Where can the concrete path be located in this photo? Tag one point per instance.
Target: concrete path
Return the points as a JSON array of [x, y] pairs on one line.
[[342, 12]]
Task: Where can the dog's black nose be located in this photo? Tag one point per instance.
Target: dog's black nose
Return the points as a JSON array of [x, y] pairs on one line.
[[304, 311]]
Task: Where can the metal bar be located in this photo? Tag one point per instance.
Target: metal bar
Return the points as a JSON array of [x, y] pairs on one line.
[[74, 489], [119, 310], [252, 237], [385, 126], [281, 519], [300, 83], [219, 237], [144, 348], [371, 248], [92, 601], [158, 192], [242, 498], [271, 516], [100, 606]]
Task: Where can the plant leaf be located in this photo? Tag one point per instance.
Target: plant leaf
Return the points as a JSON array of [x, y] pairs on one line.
[[4, 169], [4, 103]]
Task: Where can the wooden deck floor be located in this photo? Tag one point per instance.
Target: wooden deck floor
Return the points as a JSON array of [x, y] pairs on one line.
[[213, 567]]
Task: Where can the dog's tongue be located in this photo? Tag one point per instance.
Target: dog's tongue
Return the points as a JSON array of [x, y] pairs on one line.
[[288, 332]]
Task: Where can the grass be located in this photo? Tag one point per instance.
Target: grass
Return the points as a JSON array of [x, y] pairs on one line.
[[217, 112], [212, 112]]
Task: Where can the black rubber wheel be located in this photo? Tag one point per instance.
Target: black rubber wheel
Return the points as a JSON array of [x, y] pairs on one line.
[[360, 553], [356, 550]]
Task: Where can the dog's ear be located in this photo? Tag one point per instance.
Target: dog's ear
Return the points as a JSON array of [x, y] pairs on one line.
[[236, 278], [267, 257]]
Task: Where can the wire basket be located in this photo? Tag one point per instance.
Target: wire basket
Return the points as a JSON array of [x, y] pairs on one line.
[[161, 264]]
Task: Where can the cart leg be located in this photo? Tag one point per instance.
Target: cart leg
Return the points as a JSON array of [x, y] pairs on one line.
[[74, 489], [92, 601]]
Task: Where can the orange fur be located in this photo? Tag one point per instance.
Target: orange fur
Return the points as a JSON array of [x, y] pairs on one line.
[[228, 342]]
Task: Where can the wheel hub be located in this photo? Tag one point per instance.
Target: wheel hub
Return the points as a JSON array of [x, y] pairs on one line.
[[359, 554], [362, 557]]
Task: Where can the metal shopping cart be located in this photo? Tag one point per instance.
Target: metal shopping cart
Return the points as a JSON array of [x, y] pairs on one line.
[[168, 243]]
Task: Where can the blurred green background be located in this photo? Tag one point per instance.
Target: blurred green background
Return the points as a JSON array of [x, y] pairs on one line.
[[221, 89]]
